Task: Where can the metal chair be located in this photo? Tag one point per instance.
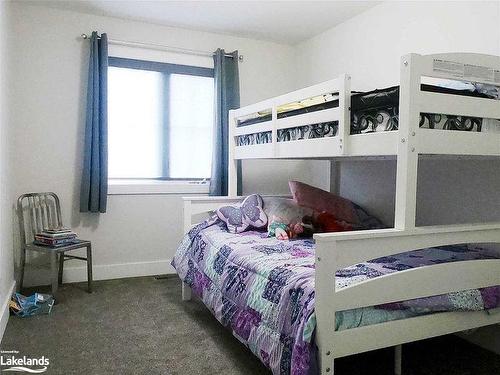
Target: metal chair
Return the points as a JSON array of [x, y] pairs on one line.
[[39, 211]]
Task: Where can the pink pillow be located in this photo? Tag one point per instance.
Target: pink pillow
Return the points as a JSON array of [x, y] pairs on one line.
[[324, 201]]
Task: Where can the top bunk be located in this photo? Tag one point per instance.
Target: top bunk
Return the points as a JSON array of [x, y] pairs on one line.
[[446, 104]]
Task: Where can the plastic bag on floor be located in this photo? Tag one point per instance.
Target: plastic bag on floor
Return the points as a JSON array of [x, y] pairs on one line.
[[36, 304]]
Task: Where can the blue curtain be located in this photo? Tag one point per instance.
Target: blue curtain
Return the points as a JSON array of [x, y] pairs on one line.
[[94, 188], [227, 96]]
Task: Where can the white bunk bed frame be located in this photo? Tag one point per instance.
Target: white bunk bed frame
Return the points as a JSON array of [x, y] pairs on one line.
[[335, 251]]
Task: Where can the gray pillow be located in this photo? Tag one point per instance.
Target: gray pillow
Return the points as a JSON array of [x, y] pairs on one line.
[[248, 214]]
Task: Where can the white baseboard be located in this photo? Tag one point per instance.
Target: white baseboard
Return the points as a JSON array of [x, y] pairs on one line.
[[38, 276], [5, 309]]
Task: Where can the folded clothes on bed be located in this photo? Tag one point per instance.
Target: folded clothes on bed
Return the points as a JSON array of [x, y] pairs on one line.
[[263, 289]]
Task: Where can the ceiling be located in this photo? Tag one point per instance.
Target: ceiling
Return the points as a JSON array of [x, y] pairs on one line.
[[287, 22]]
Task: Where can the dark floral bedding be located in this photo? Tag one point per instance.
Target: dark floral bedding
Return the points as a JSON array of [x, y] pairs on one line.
[[378, 111], [321, 130], [263, 290]]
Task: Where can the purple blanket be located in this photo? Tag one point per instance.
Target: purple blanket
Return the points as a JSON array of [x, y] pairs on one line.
[[263, 290]]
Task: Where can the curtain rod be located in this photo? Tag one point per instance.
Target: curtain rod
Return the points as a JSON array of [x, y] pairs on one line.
[[160, 47]]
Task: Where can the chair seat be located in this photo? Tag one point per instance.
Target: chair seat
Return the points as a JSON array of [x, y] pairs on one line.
[[77, 244]]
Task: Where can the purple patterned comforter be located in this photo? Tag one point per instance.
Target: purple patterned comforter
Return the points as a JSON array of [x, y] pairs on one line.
[[263, 290]]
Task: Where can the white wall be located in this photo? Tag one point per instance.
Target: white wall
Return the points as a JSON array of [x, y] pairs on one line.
[[138, 234], [6, 262], [369, 47]]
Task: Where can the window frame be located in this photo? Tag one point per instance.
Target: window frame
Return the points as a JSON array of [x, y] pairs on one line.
[[166, 69]]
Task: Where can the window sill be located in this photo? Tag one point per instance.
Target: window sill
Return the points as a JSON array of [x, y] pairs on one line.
[[152, 187]]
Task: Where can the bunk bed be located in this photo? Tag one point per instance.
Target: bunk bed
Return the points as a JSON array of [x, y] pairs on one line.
[[328, 121]]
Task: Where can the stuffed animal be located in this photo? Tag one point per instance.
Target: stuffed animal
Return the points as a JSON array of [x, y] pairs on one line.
[[287, 231], [323, 222], [277, 228]]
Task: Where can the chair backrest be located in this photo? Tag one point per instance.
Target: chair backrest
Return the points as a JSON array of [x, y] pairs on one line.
[[36, 212]]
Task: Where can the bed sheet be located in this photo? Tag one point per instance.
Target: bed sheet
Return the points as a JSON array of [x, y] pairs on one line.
[[263, 290]]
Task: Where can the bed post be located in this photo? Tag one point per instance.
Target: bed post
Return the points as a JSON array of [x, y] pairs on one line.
[[324, 308], [185, 289], [344, 130], [398, 357], [407, 154], [186, 292], [325, 271], [345, 114], [232, 163]]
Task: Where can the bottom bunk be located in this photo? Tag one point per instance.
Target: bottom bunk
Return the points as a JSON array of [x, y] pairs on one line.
[[263, 290]]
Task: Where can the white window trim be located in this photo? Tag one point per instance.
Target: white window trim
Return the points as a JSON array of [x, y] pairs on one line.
[[152, 187]]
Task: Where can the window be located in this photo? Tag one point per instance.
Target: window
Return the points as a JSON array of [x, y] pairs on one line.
[[160, 120]]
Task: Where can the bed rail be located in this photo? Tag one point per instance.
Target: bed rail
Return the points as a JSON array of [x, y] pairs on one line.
[[409, 138], [361, 246], [313, 147], [463, 67], [194, 207], [335, 251], [413, 141], [397, 332]]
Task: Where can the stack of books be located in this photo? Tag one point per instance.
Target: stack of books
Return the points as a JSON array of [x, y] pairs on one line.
[[55, 237]]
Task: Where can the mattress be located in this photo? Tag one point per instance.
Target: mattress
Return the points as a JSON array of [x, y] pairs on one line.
[[263, 290], [373, 111]]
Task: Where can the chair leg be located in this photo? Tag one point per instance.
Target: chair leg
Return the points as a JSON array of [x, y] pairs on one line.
[[61, 268], [21, 269], [89, 268], [54, 273]]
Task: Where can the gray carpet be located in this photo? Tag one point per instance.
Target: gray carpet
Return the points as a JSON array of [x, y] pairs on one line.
[[141, 326]]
